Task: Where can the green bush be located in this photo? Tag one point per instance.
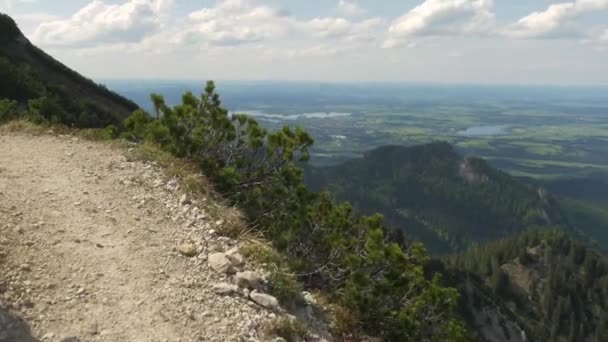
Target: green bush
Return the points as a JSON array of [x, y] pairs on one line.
[[8, 110], [110, 132], [326, 245]]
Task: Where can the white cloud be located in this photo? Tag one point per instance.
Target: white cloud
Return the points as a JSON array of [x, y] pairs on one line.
[[101, 23], [239, 22], [235, 22], [334, 27], [555, 21], [330, 27], [604, 37], [442, 17], [349, 8]]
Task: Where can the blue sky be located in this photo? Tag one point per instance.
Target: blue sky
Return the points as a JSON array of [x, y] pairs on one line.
[[451, 41]]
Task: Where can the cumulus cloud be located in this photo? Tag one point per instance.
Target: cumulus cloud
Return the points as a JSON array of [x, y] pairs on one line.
[[102, 23], [341, 28], [235, 22], [555, 21], [442, 17], [239, 22], [349, 8]]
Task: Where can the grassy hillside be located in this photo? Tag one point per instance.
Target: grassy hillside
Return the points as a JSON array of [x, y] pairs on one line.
[[438, 197], [49, 89], [553, 287]]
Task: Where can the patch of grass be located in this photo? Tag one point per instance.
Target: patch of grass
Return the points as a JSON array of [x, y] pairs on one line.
[[234, 225], [289, 329], [286, 288], [191, 179], [260, 253], [284, 284]]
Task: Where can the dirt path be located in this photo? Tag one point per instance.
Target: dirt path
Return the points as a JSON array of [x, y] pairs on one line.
[[87, 249]]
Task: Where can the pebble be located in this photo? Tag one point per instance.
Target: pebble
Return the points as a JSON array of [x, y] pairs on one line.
[[187, 249]]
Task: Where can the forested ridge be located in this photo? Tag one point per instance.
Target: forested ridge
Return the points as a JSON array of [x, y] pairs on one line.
[[49, 91], [554, 287], [432, 194]]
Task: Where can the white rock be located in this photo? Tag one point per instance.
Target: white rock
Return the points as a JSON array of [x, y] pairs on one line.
[[308, 298], [224, 288], [235, 257], [264, 300], [48, 337], [184, 200], [220, 263]]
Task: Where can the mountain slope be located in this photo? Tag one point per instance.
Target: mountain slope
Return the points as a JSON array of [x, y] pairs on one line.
[[60, 94], [436, 196], [553, 287]]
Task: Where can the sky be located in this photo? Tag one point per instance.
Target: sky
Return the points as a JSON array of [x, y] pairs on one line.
[[446, 41]]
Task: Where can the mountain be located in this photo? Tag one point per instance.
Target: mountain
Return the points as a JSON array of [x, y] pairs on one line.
[[539, 282], [585, 202], [434, 195], [51, 90]]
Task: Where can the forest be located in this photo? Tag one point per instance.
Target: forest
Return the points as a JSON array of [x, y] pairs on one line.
[[48, 90], [430, 193], [556, 288]]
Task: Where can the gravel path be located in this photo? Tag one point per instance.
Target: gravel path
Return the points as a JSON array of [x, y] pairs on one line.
[[88, 250]]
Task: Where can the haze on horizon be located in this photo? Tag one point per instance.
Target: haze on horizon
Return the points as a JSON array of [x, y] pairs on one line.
[[446, 41]]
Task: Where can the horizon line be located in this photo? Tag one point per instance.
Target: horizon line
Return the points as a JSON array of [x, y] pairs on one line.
[[354, 82]]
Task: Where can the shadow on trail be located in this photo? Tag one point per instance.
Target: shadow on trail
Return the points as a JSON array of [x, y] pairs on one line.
[[13, 328]]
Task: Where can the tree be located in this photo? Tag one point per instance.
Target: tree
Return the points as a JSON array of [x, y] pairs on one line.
[[159, 104]]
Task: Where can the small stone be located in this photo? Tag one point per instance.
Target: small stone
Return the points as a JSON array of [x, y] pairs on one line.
[[220, 263], [48, 337], [235, 257], [187, 249], [224, 288], [264, 300], [184, 200], [93, 329], [308, 298]]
